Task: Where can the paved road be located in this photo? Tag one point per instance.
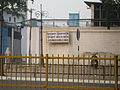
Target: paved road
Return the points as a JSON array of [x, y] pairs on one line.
[[68, 72], [101, 72], [50, 84]]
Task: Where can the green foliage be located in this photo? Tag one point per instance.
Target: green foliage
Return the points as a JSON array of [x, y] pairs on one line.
[[112, 7], [111, 4], [14, 6]]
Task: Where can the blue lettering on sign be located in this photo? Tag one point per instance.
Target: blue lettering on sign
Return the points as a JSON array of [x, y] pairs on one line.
[[58, 36], [58, 40]]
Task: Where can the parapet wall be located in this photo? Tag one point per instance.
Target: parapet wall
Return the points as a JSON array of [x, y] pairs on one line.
[[92, 39]]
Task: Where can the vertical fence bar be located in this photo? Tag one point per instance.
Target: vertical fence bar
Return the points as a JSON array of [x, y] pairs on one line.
[[52, 71], [105, 71], [40, 67], [99, 71], [1, 69], [11, 70], [21, 71], [6, 69], [96, 72], [63, 72], [73, 71], [30, 70], [83, 74], [26, 69], [110, 71], [89, 70], [21, 67], [68, 71], [58, 70], [16, 67], [116, 72], [46, 71], [78, 70], [35, 69], [93, 73]]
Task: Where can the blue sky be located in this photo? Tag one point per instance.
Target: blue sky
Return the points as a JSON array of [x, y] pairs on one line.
[[61, 8]]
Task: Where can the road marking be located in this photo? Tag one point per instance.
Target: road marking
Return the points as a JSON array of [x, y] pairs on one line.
[[60, 80]]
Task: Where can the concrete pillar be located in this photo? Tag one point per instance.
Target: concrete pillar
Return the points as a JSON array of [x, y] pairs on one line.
[[92, 14]]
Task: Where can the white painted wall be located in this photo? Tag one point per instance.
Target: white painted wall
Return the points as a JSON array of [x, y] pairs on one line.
[[91, 40]]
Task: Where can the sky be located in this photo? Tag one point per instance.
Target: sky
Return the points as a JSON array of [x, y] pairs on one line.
[[61, 8]]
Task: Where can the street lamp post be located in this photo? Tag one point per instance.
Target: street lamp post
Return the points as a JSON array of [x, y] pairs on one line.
[[42, 61], [41, 13]]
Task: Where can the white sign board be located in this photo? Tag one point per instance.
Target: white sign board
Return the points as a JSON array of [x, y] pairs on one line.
[[58, 37]]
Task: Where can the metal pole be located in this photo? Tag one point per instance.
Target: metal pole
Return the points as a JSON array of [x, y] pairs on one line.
[[41, 13], [116, 72], [13, 41], [47, 71], [42, 60], [30, 32], [41, 29]]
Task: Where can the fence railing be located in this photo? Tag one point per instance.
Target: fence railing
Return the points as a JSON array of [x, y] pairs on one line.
[[60, 72], [73, 22], [77, 23]]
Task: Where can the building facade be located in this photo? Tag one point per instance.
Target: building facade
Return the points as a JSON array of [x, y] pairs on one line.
[[99, 15], [11, 33]]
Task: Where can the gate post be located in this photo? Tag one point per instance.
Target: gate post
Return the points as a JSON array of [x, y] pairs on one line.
[[116, 72], [1, 67], [46, 71]]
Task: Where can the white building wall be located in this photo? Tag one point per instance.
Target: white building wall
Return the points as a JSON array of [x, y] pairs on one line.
[[24, 41], [91, 40], [35, 41]]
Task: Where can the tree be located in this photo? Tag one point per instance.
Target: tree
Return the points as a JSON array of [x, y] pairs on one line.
[[111, 7]]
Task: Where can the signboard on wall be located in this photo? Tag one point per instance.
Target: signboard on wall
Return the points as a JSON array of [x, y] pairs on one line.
[[58, 36]]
